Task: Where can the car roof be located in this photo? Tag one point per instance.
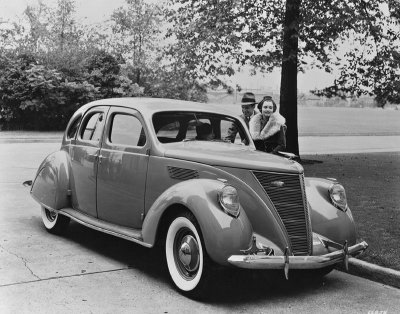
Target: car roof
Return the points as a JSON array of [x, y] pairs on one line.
[[148, 106]]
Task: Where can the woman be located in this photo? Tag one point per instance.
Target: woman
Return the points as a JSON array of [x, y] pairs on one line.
[[268, 128]]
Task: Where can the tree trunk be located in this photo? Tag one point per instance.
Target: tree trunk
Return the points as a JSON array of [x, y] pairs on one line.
[[288, 97], [138, 76]]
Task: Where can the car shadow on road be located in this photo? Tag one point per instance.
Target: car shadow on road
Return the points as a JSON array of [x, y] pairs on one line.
[[228, 286]]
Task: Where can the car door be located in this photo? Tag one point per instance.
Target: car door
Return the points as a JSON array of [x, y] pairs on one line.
[[84, 153], [122, 169]]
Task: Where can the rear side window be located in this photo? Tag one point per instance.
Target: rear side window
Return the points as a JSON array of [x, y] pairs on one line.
[[127, 130], [73, 129], [93, 128]]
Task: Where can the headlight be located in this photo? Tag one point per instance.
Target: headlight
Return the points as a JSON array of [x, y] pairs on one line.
[[338, 196], [229, 200]]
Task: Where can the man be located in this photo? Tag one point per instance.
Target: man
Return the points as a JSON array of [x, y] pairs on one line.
[[204, 132], [248, 104]]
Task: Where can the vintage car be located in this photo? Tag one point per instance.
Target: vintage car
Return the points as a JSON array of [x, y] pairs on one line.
[[136, 168]]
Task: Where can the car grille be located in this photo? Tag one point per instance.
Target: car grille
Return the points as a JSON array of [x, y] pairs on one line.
[[286, 191], [182, 173]]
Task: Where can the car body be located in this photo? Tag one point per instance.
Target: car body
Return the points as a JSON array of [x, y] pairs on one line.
[[133, 168]]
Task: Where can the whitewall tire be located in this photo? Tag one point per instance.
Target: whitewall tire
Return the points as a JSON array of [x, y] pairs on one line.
[[54, 222], [186, 256]]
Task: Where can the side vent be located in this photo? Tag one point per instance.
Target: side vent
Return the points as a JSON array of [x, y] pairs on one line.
[[182, 173]]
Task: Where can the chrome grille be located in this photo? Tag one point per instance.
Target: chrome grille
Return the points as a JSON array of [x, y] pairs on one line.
[[182, 173], [286, 192]]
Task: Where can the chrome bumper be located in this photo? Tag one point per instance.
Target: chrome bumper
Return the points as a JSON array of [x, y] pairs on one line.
[[297, 262]]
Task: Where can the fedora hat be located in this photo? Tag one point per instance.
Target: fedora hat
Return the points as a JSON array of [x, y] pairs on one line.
[[248, 99]]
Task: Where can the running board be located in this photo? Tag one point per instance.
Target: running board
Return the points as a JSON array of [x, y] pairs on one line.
[[129, 234]]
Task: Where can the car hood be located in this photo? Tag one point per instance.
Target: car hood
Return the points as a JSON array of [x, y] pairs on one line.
[[230, 155]]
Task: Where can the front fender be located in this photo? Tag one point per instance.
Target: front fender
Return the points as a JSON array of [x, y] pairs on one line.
[[51, 184], [223, 235], [326, 219]]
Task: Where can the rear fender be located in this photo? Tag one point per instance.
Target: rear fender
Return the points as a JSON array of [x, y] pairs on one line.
[[326, 219], [51, 185], [223, 235]]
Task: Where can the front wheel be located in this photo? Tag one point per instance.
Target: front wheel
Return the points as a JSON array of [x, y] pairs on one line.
[[54, 222], [186, 257]]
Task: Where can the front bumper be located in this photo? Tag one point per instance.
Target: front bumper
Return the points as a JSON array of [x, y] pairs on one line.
[[297, 262]]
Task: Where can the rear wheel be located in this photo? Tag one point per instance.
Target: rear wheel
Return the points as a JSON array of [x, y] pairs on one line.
[[187, 260], [54, 222]]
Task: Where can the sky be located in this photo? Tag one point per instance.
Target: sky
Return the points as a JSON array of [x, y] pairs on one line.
[[96, 11]]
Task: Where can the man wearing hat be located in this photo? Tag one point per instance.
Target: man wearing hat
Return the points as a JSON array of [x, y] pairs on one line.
[[248, 104]]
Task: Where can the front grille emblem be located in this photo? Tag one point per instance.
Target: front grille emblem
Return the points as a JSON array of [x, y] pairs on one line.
[[277, 184]]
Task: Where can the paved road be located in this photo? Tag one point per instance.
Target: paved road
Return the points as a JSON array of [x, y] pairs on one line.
[[89, 272]]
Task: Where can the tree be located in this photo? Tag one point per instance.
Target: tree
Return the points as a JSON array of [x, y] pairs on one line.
[[137, 42], [103, 71], [135, 32], [216, 38], [63, 24]]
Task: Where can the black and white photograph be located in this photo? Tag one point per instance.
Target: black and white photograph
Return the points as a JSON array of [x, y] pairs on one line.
[[199, 156]]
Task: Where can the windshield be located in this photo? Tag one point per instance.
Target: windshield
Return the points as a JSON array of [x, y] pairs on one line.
[[201, 126]]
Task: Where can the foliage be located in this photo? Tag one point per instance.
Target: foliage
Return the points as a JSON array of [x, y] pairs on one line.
[[371, 66], [51, 64], [136, 30], [34, 97], [217, 36], [168, 83]]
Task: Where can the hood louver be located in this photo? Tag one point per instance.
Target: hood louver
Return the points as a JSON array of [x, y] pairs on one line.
[[182, 173]]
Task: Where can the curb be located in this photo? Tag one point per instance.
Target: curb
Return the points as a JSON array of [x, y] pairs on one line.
[[373, 272]]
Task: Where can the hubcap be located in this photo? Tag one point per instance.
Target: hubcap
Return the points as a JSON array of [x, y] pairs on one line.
[[189, 253], [186, 253], [51, 215]]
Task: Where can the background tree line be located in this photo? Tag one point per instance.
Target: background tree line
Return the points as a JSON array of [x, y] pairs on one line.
[[50, 64]]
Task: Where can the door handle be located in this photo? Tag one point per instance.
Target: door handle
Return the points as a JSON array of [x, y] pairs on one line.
[[92, 157]]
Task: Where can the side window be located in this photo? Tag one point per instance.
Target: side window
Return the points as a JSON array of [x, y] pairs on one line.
[[191, 130], [225, 126], [170, 130], [73, 128], [93, 128], [127, 130]]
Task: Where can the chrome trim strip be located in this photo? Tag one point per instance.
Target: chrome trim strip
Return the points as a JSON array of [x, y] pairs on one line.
[[308, 216], [130, 235]]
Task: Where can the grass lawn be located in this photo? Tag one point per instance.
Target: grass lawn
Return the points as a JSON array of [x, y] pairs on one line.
[[372, 183]]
